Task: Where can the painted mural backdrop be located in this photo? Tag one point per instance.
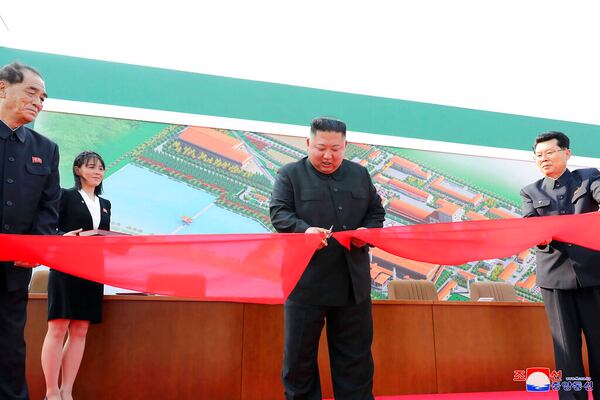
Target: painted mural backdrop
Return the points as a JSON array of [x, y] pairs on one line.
[[176, 179]]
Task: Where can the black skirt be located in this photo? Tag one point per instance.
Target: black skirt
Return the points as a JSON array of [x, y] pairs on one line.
[[70, 297]]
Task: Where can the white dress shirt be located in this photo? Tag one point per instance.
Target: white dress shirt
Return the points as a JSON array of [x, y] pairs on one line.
[[93, 206]]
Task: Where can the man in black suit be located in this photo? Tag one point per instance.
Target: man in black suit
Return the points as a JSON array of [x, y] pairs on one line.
[[29, 194], [311, 195], [568, 275]]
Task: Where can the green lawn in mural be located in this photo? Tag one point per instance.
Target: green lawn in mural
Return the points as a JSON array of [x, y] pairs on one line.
[[177, 179], [113, 138]]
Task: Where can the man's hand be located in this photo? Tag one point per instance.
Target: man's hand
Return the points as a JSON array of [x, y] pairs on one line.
[[357, 242], [24, 264], [324, 232], [73, 233]]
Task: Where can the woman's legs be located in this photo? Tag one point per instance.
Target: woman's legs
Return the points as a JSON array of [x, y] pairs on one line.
[[52, 350], [72, 355]]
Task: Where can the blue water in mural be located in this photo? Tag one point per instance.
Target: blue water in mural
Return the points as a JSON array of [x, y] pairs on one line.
[[156, 204]]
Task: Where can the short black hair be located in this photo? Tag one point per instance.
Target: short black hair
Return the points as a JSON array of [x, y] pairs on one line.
[[82, 159], [561, 138], [327, 124], [13, 72]]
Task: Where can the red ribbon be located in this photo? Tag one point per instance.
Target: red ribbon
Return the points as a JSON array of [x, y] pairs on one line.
[[264, 268], [456, 243], [261, 268]]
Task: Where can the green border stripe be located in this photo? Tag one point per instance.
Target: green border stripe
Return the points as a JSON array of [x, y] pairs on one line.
[[86, 80]]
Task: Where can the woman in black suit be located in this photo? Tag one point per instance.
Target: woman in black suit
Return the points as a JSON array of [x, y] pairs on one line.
[[74, 303]]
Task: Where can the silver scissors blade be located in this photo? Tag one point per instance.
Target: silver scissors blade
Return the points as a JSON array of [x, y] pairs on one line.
[[330, 232]]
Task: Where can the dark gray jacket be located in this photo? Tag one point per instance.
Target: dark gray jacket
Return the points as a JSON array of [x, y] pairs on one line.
[[29, 191], [303, 197], [561, 265]]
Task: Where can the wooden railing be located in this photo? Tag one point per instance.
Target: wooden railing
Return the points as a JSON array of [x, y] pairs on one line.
[[151, 347]]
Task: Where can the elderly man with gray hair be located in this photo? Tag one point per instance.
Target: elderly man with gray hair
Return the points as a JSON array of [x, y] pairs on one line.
[[29, 197]]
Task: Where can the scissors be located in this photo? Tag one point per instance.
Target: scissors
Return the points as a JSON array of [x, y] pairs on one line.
[[330, 233]]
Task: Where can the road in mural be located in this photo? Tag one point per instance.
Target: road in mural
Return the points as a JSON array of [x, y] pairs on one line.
[[176, 179]]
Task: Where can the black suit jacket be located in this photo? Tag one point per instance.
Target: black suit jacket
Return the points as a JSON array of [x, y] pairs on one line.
[[303, 197], [74, 213], [29, 191], [561, 265]]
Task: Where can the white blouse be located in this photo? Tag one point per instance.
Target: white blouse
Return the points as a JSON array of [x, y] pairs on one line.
[[93, 206]]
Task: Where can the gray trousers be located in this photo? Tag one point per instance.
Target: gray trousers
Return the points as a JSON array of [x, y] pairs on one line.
[[571, 312]]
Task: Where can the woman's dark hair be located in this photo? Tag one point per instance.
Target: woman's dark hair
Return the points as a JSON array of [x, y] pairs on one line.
[[82, 159]]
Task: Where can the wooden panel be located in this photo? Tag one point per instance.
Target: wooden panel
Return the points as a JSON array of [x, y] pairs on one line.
[[263, 354], [158, 349], [478, 346], [403, 348]]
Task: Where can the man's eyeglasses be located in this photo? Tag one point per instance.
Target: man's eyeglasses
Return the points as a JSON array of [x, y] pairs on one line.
[[546, 154]]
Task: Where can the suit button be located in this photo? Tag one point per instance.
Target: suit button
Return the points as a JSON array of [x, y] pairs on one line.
[[561, 197], [344, 227], [9, 180], [11, 159], [6, 227], [335, 189], [562, 211], [9, 203], [340, 208]]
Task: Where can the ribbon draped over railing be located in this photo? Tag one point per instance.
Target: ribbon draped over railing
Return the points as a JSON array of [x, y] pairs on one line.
[[264, 268]]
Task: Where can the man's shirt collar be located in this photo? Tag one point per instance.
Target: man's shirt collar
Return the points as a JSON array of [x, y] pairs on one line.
[[562, 180], [337, 175], [6, 131]]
